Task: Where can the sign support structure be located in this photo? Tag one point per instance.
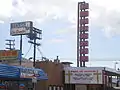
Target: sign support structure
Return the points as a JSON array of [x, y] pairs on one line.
[[34, 34], [21, 28], [82, 34], [21, 48]]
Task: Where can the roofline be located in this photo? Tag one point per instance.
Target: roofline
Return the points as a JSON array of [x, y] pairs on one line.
[[66, 62]]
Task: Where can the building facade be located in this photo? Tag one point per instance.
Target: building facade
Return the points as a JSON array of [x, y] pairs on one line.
[[19, 78], [61, 76], [54, 71]]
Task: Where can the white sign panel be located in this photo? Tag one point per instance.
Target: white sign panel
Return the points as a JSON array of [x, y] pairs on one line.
[[21, 28], [83, 76], [28, 73]]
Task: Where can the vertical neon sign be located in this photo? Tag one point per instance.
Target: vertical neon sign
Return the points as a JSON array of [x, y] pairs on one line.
[[82, 34]]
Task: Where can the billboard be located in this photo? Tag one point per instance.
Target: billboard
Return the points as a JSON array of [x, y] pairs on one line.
[[10, 55], [21, 28], [83, 77]]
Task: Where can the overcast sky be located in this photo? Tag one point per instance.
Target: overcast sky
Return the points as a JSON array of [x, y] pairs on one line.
[[57, 19]]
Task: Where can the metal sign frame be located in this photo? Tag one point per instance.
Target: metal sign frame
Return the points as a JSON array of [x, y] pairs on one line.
[[21, 28]]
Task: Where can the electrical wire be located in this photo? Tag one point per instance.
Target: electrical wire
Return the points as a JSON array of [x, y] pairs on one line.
[[28, 50], [40, 51]]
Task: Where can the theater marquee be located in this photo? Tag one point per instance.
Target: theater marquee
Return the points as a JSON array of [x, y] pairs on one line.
[[83, 77]]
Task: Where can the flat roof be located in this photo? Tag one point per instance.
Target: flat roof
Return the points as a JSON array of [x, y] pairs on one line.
[[66, 62]]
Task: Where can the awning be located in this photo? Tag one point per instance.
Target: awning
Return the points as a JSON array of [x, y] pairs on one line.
[[19, 72]]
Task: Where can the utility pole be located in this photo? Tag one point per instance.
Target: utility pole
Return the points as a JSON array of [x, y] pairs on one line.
[[34, 36], [20, 49], [10, 44]]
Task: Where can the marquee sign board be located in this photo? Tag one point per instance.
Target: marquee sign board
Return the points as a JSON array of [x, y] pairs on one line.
[[21, 28], [83, 77]]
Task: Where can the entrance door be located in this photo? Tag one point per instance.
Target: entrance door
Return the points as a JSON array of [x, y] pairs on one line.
[[80, 87], [94, 87]]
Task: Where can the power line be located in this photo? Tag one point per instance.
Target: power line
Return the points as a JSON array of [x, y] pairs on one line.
[[28, 50], [40, 51], [42, 56]]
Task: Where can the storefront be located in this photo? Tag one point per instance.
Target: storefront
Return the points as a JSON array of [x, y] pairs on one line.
[[19, 78], [88, 78]]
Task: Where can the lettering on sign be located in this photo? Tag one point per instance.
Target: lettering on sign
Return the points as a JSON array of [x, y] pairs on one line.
[[84, 51], [84, 43], [9, 54], [29, 73], [84, 21], [84, 13], [84, 28], [84, 36], [84, 6], [84, 77], [84, 58], [21, 28]]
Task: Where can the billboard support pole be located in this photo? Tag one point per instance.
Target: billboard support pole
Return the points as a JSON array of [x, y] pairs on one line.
[[20, 48], [21, 28], [34, 56]]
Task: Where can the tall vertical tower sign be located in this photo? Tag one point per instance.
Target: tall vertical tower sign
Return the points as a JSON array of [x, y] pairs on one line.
[[82, 34]]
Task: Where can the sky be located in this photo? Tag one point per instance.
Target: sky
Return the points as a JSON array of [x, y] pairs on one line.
[[58, 20]]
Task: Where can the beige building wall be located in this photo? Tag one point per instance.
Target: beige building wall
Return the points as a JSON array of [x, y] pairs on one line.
[[54, 71], [25, 64]]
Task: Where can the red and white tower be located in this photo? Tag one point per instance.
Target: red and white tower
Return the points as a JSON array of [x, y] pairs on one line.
[[82, 34]]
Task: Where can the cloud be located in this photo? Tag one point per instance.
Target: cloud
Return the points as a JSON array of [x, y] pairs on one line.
[[41, 9], [68, 30], [103, 15]]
